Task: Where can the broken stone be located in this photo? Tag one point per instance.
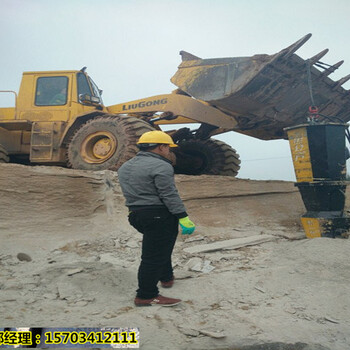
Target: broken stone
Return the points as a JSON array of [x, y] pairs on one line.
[[244, 307], [332, 320], [218, 256], [225, 305], [56, 252], [290, 310], [23, 257], [305, 317], [293, 236], [197, 268], [178, 309], [86, 298], [132, 243], [194, 264], [188, 331], [30, 301], [207, 267], [213, 334], [260, 289], [194, 238], [96, 312], [81, 303], [230, 244], [74, 271]]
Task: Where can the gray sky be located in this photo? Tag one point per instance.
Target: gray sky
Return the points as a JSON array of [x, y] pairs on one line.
[[131, 48]]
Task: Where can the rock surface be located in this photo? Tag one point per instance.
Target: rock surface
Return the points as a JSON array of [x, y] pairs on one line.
[[82, 258]]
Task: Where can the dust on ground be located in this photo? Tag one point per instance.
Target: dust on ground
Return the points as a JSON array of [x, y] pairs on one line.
[[79, 259]]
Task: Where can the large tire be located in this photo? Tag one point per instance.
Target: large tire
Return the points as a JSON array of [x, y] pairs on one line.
[[211, 157], [4, 157], [105, 142]]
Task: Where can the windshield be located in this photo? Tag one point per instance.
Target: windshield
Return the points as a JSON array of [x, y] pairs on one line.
[[95, 89], [86, 86]]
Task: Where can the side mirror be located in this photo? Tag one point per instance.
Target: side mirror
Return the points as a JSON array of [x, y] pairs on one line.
[[89, 100]]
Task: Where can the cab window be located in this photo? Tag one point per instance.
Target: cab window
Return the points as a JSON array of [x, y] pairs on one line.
[[51, 91], [83, 85], [86, 86], [96, 90]]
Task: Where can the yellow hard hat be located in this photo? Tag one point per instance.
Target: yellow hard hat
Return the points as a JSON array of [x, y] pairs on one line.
[[156, 137]]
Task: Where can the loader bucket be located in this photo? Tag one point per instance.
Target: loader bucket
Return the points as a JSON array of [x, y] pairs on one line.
[[265, 93]]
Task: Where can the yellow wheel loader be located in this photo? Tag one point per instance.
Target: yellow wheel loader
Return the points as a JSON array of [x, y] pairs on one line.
[[59, 117]]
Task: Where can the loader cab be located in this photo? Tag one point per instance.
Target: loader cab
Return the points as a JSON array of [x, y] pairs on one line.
[[53, 91], [57, 96]]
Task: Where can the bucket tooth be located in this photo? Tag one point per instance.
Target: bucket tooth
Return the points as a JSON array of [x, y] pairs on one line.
[[331, 69], [294, 47], [317, 57], [186, 56], [341, 81]]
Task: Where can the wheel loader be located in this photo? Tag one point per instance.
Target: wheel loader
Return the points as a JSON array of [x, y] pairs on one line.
[[59, 117]]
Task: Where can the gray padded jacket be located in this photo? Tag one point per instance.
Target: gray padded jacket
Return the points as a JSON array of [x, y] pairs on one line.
[[148, 180]]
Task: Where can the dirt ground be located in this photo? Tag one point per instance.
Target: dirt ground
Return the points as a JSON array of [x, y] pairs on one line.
[[80, 257]]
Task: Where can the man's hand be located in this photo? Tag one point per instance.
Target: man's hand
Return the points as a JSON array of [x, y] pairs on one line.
[[187, 226]]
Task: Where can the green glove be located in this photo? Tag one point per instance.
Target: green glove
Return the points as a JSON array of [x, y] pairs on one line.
[[187, 226]]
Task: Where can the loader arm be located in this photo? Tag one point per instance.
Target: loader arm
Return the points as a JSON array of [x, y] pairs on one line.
[[185, 109]]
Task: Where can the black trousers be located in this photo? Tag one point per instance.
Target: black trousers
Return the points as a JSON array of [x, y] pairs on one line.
[[159, 228]]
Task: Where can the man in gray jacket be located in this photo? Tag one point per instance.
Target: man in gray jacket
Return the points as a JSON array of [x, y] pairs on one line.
[[155, 210]]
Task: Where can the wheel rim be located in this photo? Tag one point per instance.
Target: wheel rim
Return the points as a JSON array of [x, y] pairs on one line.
[[98, 147]]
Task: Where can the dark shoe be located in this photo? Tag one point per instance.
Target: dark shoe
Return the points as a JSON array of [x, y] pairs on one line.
[[159, 300], [168, 284]]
